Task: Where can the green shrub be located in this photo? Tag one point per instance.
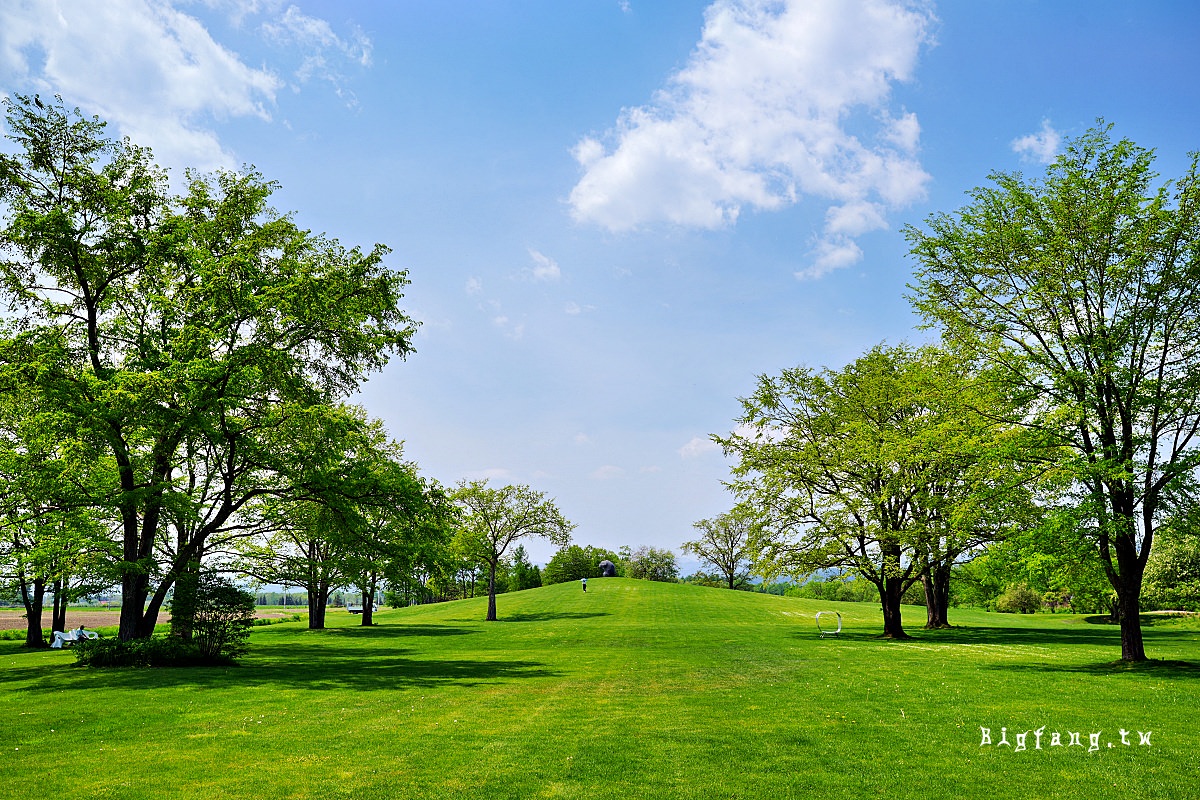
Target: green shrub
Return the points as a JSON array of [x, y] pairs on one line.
[[1019, 599], [159, 651], [222, 619]]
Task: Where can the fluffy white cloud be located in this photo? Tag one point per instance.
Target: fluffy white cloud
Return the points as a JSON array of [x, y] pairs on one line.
[[1041, 146], [544, 267], [153, 71], [699, 446], [762, 115], [474, 286]]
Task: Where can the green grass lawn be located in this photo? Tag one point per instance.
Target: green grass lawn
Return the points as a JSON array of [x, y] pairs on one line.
[[632, 690]]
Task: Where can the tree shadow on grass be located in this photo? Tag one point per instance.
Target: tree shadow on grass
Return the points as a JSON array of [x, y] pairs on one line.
[[290, 666], [1147, 620], [543, 616], [1152, 668], [389, 631], [1098, 635]]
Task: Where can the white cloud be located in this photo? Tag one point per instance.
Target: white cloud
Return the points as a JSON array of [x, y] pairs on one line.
[[491, 473], [474, 286], [315, 40], [760, 117], [155, 72], [607, 472], [544, 267], [832, 252], [1041, 146], [699, 446], [151, 70], [582, 438], [513, 330]]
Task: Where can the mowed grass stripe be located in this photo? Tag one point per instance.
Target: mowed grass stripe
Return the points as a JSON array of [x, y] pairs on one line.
[[634, 689]]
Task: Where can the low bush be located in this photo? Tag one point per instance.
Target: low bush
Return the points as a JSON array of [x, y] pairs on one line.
[[215, 617], [1019, 599], [158, 651]]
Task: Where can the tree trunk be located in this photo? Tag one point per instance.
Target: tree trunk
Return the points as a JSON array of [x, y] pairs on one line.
[[318, 597], [890, 593], [183, 603], [1129, 591], [491, 614], [58, 617], [368, 599], [936, 580], [33, 612], [1126, 577], [134, 590]]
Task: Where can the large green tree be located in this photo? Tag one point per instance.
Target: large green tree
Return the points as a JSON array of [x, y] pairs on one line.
[[494, 519], [1083, 288], [881, 468], [194, 336]]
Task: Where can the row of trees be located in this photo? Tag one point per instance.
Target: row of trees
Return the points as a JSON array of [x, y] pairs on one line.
[[174, 369], [1058, 414]]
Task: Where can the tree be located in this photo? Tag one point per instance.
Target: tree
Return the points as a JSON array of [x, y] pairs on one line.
[[1084, 290], [881, 468], [194, 337], [725, 543], [821, 462], [52, 539], [1173, 571], [652, 564], [574, 562], [495, 519], [524, 574]]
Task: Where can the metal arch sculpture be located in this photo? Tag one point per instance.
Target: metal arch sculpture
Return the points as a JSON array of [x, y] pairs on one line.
[[829, 631]]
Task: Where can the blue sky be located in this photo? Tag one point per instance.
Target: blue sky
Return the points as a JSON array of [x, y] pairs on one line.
[[616, 213]]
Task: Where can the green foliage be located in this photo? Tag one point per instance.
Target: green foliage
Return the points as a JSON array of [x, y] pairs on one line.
[[200, 341], [157, 651], [1080, 290], [493, 520], [574, 562], [727, 544], [1019, 599], [836, 589], [887, 468], [220, 615], [652, 564], [523, 575], [1173, 573]]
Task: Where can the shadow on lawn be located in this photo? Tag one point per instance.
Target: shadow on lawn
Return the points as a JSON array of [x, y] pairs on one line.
[[388, 631], [290, 666], [1090, 635], [1152, 668], [542, 616]]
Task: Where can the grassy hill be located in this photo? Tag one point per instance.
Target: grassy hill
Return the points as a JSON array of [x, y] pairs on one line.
[[632, 690]]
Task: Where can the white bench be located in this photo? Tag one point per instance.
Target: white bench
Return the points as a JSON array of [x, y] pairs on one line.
[[72, 636]]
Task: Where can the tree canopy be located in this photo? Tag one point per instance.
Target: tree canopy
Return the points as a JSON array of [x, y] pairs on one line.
[[1084, 289], [494, 519], [199, 339]]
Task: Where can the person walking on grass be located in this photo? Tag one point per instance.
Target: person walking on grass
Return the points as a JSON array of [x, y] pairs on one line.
[[584, 580]]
